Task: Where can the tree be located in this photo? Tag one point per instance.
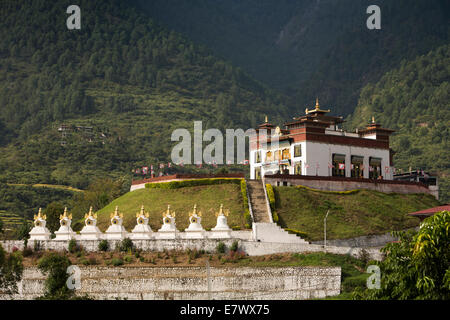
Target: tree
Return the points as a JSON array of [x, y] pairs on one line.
[[23, 232], [1, 226], [11, 270], [418, 266], [53, 211], [55, 266]]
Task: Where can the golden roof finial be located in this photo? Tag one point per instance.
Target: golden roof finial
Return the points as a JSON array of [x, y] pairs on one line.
[[373, 119], [65, 215], [266, 120], [317, 103], [39, 215], [199, 214], [90, 214], [169, 212]]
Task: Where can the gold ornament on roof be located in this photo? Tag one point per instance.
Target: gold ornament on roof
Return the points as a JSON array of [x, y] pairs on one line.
[[266, 120], [222, 212], [194, 212], [65, 215], [168, 212], [116, 213], [40, 216], [316, 109], [90, 214], [142, 213], [373, 119]]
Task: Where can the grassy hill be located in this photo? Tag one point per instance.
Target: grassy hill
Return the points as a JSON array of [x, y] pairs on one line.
[[357, 213], [208, 199]]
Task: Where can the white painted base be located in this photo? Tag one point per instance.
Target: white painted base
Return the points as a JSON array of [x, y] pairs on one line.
[[40, 233], [170, 234], [91, 233]]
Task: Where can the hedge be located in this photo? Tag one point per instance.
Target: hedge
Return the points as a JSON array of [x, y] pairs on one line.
[[297, 232], [247, 215], [271, 196], [332, 192], [192, 183]]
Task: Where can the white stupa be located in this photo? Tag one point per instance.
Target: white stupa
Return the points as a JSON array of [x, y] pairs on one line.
[[90, 230], [221, 230], [116, 230], [65, 232], [39, 231], [142, 230], [169, 228], [195, 229]]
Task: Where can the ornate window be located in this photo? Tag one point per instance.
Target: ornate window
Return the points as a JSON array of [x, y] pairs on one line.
[[298, 150]]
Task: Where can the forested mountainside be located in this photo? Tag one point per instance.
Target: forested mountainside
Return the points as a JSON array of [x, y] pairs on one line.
[[414, 100], [310, 48], [120, 85]]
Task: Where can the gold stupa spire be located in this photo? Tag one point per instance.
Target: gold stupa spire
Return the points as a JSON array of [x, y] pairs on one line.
[[169, 212], [317, 103], [40, 216], [65, 215], [199, 214], [266, 120]]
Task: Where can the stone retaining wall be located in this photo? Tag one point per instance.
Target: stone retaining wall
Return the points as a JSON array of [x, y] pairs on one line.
[[152, 283]]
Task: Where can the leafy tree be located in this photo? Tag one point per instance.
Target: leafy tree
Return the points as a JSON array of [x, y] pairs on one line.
[[11, 270], [55, 266], [418, 266], [23, 233], [1, 226], [53, 211]]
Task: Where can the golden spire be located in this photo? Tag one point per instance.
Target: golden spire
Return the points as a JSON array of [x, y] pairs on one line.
[[199, 214], [90, 214], [373, 119], [169, 212], [266, 120], [39, 215], [65, 215], [317, 103], [142, 213]]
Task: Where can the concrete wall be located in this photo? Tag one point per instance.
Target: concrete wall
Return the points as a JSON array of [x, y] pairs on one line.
[[252, 248], [336, 184], [151, 283]]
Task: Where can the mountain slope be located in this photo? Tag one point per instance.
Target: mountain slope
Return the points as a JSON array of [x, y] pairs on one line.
[[414, 100], [121, 84]]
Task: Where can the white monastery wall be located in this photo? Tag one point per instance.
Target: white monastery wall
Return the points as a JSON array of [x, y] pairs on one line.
[[167, 283]]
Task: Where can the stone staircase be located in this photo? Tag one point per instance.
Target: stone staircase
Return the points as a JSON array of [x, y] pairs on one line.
[[264, 229], [258, 201]]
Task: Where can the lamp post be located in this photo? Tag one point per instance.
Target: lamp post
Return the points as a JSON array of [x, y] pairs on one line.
[[325, 230]]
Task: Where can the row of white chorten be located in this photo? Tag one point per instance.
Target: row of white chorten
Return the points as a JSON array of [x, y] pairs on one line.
[[142, 231]]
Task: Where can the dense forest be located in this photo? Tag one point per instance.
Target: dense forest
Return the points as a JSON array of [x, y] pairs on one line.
[[310, 48], [120, 85], [414, 100]]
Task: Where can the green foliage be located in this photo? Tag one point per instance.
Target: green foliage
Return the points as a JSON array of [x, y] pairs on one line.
[[55, 266], [128, 70], [247, 215], [297, 232], [191, 183], [103, 245], [1, 226], [116, 262], [24, 230], [413, 100], [271, 196], [126, 245], [234, 246], [11, 270], [416, 267], [221, 247], [73, 246], [53, 211]]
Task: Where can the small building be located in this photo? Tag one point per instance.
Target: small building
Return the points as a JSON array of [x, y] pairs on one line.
[[427, 178], [315, 145], [423, 214]]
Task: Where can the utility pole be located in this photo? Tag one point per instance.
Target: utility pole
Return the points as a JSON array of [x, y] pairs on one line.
[[325, 230]]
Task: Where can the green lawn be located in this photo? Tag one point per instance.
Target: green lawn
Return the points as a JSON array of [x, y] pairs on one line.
[[182, 200], [358, 213]]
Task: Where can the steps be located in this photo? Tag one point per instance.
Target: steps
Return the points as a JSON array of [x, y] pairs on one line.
[[258, 201], [271, 232], [263, 229]]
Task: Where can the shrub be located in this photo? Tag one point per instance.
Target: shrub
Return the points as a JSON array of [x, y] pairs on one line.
[[297, 232], [126, 245], [271, 197], [236, 228], [128, 259], [234, 246], [247, 215], [221, 247], [116, 262], [191, 183], [73, 246], [27, 252], [103, 245]]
